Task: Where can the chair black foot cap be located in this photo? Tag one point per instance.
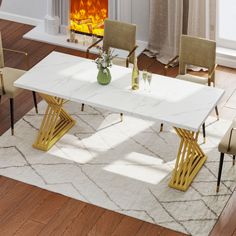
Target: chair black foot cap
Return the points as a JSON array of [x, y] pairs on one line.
[[82, 107], [161, 128], [121, 117]]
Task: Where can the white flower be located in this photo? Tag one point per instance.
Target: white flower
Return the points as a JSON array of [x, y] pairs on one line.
[[105, 59]]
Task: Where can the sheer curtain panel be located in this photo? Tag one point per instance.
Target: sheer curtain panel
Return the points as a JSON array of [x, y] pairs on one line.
[[166, 26]]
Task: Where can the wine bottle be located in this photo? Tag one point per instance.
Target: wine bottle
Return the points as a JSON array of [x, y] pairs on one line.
[[135, 76]]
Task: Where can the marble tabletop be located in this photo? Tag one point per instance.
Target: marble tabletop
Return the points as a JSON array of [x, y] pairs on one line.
[[179, 103]]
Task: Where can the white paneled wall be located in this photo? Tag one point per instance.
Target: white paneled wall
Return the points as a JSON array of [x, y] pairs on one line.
[[137, 12], [140, 16], [26, 8]]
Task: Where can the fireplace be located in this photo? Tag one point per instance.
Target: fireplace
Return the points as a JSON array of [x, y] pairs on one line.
[[87, 16], [55, 28], [83, 16]]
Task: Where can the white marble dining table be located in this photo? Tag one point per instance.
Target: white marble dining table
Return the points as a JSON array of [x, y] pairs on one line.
[[184, 105]]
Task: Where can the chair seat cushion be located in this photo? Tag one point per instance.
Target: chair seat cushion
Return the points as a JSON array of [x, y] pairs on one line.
[[193, 78], [10, 75], [223, 146], [119, 61]]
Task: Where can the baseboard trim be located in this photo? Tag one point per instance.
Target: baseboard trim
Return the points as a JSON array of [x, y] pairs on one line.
[[226, 57], [19, 18], [231, 63]]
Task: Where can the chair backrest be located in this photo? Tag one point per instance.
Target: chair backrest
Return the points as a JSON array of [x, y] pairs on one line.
[[119, 35], [198, 52], [1, 53]]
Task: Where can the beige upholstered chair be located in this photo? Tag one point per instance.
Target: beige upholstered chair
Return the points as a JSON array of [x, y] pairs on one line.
[[119, 35], [227, 146], [8, 76], [196, 52]]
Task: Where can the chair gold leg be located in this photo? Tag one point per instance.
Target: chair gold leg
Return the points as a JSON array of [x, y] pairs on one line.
[[55, 124], [189, 160]]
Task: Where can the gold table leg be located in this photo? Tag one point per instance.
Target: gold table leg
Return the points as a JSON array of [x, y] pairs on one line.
[[189, 161], [55, 124]]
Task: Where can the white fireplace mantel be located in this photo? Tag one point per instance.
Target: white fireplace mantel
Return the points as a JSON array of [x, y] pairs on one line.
[[34, 13], [55, 27], [57, 18]]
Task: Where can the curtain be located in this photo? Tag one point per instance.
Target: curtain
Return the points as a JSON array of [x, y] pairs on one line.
[[201, 21], [166, 26], [212, 19], [197, 18], [202, 18], [171, 18]]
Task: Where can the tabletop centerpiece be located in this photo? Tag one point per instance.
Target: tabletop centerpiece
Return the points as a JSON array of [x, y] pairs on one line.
[[104, 62]]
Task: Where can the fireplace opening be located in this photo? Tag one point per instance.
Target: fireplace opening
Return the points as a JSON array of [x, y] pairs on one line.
[[87, 16]]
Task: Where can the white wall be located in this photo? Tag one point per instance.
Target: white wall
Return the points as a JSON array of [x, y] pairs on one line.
[[136, 12], [140, 16], [26, 8]]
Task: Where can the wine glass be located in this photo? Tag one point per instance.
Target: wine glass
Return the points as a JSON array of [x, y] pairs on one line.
[[149, 79], [145, 73]]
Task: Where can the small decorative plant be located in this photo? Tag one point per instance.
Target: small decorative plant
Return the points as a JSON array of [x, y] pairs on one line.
[[105, 58], [104, 61]]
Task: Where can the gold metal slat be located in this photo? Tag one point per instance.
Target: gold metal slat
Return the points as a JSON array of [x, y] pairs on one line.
[[189, 160], [55, 124]]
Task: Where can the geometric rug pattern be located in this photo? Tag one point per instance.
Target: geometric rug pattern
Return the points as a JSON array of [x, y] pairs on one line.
[[121, 166]]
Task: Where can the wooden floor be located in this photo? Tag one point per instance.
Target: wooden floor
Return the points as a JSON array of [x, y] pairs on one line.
[[27, 210]]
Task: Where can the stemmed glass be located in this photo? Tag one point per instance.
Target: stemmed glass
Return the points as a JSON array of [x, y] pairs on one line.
[[145, 74], [149, 79]]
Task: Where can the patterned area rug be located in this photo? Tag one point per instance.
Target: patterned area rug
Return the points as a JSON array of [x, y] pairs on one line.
[[122, 166]]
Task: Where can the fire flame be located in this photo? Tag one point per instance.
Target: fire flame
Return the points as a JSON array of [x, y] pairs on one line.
[[87, 16]]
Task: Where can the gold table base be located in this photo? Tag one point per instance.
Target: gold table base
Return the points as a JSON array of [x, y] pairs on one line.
[[189, 160], [55, 124]]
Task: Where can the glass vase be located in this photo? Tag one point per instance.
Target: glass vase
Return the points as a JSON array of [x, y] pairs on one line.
[[104, 76]]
